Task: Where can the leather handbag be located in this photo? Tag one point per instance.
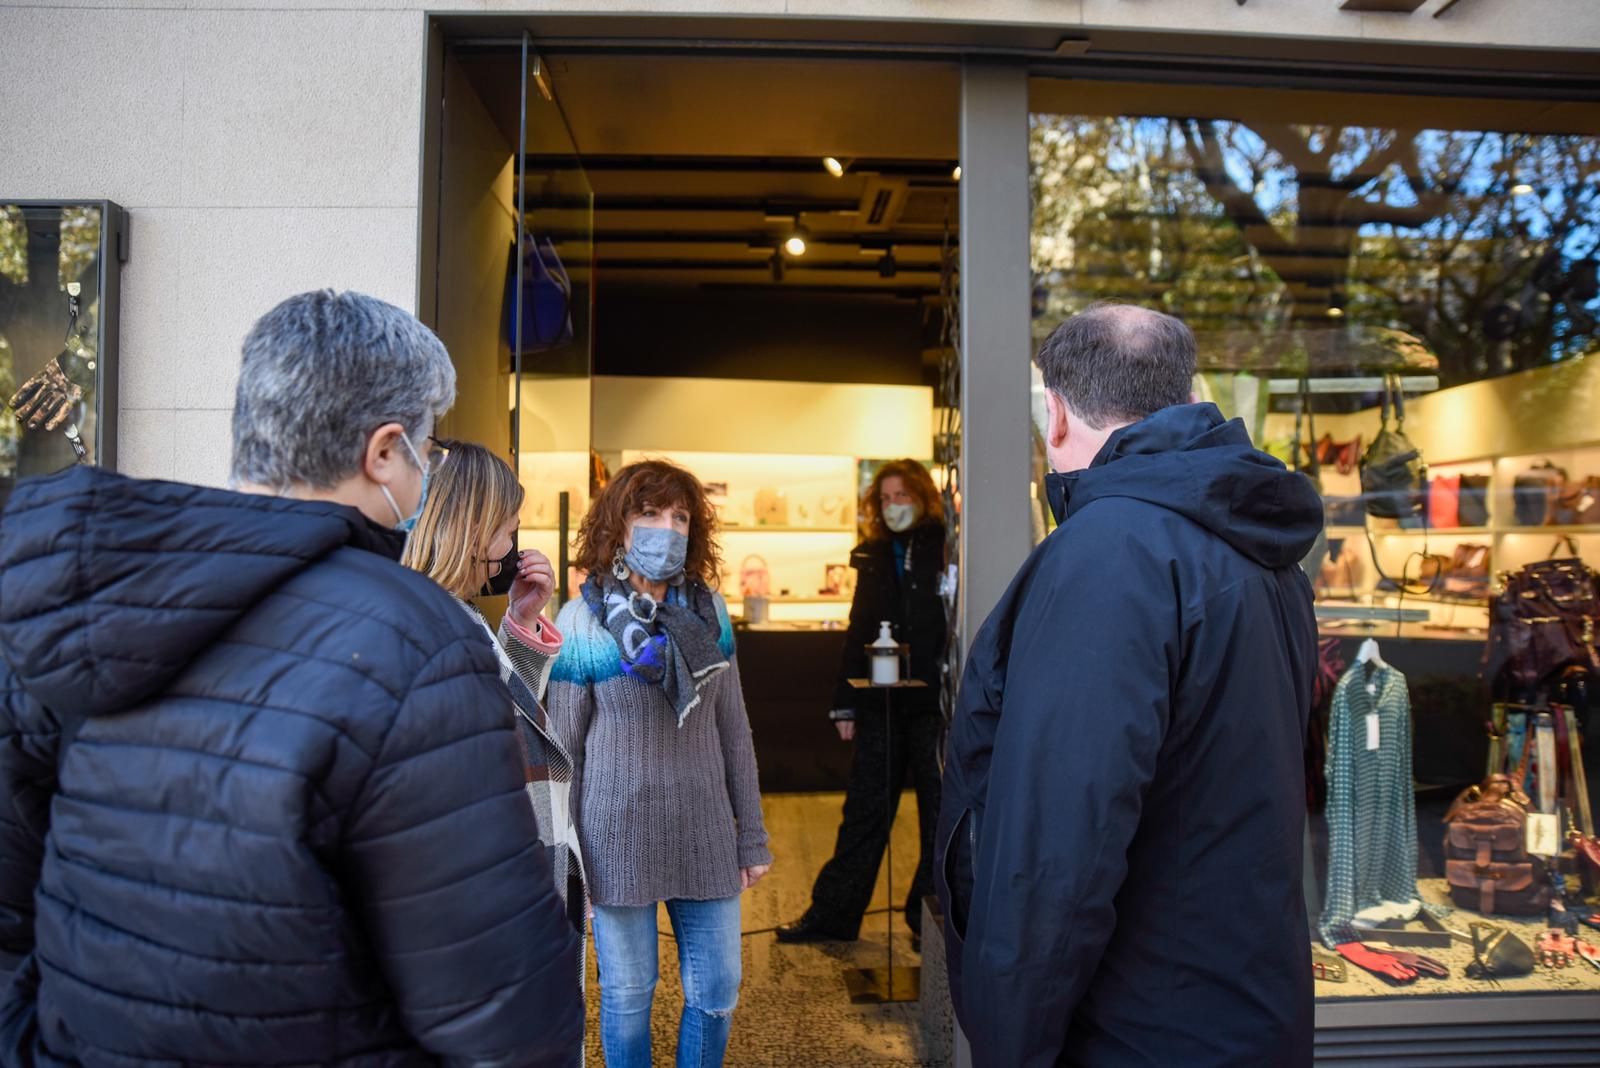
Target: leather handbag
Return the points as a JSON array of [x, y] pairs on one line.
[[1392, 471], [1467, 575], [1546, 620], [1444, 502], [1579, 502], [1534, 494], [1498, 954], [1473, 507], [1487, 863]]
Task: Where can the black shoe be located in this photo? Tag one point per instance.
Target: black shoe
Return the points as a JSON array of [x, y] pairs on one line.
[[807, 929]]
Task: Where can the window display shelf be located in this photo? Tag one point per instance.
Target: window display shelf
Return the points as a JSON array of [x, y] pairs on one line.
[[1442, 532], [1589, 529], [734, 528], [820, 599]]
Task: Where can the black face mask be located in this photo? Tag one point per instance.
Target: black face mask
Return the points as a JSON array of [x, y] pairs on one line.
[[1055, 491], [500, 584]]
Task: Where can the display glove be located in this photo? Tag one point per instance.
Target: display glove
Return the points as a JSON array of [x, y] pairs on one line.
[[1417, 962], [46, 400], [1382, 965]]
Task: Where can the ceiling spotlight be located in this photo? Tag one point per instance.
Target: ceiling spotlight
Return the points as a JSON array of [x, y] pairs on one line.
[[777, 267], [1521, 189], [955, 175], [1335, 312], [835, 166], [886, 266], [796, 244]]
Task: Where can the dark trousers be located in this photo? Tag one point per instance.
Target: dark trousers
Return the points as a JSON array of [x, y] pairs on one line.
[[844, 888]]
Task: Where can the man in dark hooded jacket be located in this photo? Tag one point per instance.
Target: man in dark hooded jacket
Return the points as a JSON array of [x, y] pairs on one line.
[[262, 803], [1123, 800]]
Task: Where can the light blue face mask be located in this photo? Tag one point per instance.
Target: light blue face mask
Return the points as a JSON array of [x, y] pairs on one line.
[[407, 522], [658, 553]]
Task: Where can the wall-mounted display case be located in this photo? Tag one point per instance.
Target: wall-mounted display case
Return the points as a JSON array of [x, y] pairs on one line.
[[60, 264]]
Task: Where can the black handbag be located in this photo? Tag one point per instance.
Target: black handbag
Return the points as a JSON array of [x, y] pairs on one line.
[[1474, 508], [1392, 471], [1534, 494], [1498, 954]]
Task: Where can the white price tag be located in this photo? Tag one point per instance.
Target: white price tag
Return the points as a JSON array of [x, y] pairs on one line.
[[1372, 730], [1544, 834]]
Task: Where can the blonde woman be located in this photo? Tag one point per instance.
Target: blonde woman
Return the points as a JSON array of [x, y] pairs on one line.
[[464, 540]]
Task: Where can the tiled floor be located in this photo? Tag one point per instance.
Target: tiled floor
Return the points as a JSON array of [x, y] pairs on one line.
[[793, 1010]]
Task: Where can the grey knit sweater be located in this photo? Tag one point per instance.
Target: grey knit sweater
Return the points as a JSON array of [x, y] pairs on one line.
[[663, 811]]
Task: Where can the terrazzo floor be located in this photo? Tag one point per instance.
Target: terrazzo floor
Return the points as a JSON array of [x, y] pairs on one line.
[[793, 1009]]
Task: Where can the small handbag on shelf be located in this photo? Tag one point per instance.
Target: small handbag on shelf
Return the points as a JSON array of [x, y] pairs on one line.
[[1444, 502], [1467, 576], [1578, 504], [1534, 494], [1472, 508]]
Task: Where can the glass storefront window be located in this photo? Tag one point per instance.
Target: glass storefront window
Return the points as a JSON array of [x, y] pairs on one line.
[[53, 324], [1344, 258]]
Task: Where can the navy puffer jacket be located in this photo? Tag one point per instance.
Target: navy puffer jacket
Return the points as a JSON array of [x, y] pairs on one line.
[[289, 825]]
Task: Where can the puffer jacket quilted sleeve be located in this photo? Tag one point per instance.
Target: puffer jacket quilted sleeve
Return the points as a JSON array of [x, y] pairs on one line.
[[431, 855]]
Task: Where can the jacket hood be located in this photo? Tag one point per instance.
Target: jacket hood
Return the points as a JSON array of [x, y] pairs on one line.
[[110, 586], [1192, 461]]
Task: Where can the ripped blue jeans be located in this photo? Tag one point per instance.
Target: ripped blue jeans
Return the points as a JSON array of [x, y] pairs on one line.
[[625, 941]]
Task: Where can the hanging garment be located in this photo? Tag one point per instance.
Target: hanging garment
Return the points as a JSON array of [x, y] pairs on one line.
[[1372, 808]]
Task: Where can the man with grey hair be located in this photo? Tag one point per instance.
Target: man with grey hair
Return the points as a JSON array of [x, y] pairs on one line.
[[1124, 796], [263, 800]]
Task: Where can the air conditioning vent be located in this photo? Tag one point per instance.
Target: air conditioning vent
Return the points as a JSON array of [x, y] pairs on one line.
[[881, 202]]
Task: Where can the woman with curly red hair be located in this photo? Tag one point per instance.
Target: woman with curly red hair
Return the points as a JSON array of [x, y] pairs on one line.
[[645, 695]]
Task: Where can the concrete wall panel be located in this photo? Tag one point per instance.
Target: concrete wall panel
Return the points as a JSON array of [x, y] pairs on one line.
[[144, 442], [305, 108], [155, 315], [238, 263], [93, 104]]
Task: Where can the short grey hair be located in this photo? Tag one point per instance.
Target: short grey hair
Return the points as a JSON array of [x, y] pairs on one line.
[[1113, 364], [320, 373]]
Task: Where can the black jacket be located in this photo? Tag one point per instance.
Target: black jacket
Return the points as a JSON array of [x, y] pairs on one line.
[[289, 825], [911, 602], [1123, 800]]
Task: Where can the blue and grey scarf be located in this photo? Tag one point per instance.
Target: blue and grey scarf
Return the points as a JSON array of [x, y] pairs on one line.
[[672, 643]]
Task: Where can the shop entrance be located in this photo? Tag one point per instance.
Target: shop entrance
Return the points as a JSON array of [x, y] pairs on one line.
[[745, 265], [742, 264]]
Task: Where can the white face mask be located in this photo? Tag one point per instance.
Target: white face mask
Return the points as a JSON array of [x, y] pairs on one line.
[[901, 517]]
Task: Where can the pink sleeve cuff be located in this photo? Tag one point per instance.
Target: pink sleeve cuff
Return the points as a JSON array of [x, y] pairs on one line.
[[543, 637]]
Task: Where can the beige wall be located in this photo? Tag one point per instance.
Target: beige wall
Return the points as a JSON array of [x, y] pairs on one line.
[[266, 147]]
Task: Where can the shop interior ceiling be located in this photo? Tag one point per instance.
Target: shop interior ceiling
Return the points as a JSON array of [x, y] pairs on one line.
[[703, 167]]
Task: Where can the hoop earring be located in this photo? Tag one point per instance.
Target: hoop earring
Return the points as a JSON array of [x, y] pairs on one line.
[[619, 567]]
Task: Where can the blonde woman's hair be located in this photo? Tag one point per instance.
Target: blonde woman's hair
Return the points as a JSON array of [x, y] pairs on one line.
[[471, 496]]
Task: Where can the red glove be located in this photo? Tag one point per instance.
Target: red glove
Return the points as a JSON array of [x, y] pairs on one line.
[[1418, 963], [1382, 965]]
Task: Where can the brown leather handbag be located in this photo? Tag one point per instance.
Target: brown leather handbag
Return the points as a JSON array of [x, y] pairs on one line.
[[1579, 502], [1487, 864], [1467, 574]]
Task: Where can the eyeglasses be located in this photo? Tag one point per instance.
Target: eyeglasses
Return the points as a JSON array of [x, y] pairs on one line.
[[438, 452]]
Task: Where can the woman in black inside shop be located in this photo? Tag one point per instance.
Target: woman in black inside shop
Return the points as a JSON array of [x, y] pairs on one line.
[[898, 569]]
